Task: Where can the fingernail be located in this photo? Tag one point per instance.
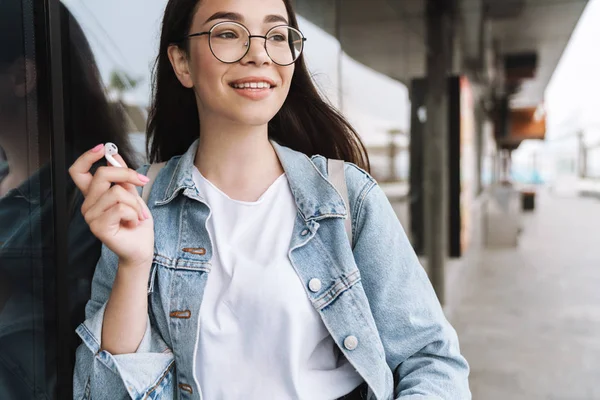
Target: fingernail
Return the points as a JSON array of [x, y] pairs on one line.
[[143, 178], [97, 148]]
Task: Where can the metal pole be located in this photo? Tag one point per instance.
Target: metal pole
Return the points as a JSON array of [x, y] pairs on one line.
[[439, 44], [581, 159]]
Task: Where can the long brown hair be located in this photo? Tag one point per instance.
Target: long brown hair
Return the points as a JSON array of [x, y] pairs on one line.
[[305, 122]]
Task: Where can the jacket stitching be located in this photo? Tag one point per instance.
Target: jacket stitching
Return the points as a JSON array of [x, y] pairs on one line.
[[88, 389], [341, 285], [367, 189], [164, 375], [318, 171], [359, 207], [181, 263], [358, 203], [171, 182], [90, 337]]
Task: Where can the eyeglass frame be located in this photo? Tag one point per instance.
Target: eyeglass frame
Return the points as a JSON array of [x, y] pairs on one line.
[[250, 36]]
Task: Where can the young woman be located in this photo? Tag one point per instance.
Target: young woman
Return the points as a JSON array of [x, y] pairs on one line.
[[237, 280]]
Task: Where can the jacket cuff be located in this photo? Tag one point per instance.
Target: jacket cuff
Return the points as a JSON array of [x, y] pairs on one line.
[[142, 372]]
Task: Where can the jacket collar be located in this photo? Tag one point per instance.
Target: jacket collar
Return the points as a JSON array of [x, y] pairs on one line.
[[316, 198], [35, 190]]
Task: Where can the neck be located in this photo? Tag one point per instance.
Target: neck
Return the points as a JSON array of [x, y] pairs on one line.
[[239, 160], [17, 168]]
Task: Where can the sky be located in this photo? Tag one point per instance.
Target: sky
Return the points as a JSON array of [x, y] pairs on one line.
[[572, 97]]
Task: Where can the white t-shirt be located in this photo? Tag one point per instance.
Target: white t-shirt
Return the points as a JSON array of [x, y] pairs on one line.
[[260, 337]]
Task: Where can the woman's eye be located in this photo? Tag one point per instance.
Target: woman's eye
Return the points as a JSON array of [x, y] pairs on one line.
[[277, 38], [227, 35]]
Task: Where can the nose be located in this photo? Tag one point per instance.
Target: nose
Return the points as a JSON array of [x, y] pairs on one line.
[[257, 53]]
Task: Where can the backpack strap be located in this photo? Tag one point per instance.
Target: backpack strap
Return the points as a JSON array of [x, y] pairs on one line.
[[337, 177], [151, 174]]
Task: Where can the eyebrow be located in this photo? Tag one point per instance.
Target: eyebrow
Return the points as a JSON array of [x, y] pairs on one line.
[[233, 16]]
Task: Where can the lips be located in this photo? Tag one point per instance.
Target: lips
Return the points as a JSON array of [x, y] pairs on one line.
[[253, 83]]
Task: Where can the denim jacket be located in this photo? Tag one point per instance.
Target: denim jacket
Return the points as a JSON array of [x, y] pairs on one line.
[[373, 289]]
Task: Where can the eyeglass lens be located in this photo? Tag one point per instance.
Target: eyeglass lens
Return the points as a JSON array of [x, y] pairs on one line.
[[229, 42]]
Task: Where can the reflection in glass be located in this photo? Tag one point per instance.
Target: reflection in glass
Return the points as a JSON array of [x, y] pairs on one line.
[[28, 356]]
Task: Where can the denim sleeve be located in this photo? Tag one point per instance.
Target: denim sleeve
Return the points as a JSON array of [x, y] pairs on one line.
[[147, 373], [421, 346]]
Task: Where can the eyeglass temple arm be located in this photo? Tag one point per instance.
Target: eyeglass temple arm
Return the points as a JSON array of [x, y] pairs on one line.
[[197, 34]]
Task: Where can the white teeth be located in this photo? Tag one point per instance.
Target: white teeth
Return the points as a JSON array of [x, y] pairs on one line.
[[252, 85]]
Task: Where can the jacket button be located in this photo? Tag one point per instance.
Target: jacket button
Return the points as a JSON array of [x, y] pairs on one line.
[[314, 285], [193, 250], [304, 232], [351, 342], [186, 388]]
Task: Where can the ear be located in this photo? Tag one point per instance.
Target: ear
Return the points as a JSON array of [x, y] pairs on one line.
[[24, 76], [179, 62]]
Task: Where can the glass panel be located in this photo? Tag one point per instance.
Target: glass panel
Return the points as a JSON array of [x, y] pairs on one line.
[[27, 271], [28, 246], [122, 38]]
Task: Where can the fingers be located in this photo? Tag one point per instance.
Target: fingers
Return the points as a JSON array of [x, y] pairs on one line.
[[131, 188], [115, 195], [106, 176], [112, 220], [80, 170]]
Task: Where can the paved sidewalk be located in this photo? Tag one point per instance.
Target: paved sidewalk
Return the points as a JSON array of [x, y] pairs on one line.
[[529, 318]]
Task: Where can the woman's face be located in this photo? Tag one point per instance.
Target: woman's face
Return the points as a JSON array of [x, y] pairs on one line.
[[217, 84], [17, 79]]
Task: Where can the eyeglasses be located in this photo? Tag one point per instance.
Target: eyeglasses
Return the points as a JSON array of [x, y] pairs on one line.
[[230, 42]]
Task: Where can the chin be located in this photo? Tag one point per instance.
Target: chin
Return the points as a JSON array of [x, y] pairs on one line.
[[254, 116], [255, 119]]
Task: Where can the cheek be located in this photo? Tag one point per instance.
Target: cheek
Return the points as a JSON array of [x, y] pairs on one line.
[[207, 73], [286, 75], [202, 68]]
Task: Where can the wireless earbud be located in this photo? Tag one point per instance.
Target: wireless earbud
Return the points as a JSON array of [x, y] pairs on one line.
[[111, 149]]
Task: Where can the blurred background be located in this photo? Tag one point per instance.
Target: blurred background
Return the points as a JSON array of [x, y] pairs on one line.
[[482, 123]]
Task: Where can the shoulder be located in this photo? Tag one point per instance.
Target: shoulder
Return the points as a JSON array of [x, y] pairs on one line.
[[359, 182], [171, 163], [166, 169], [355, 176]]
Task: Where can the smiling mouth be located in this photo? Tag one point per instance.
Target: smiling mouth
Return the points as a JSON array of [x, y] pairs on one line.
[[252, 85]]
